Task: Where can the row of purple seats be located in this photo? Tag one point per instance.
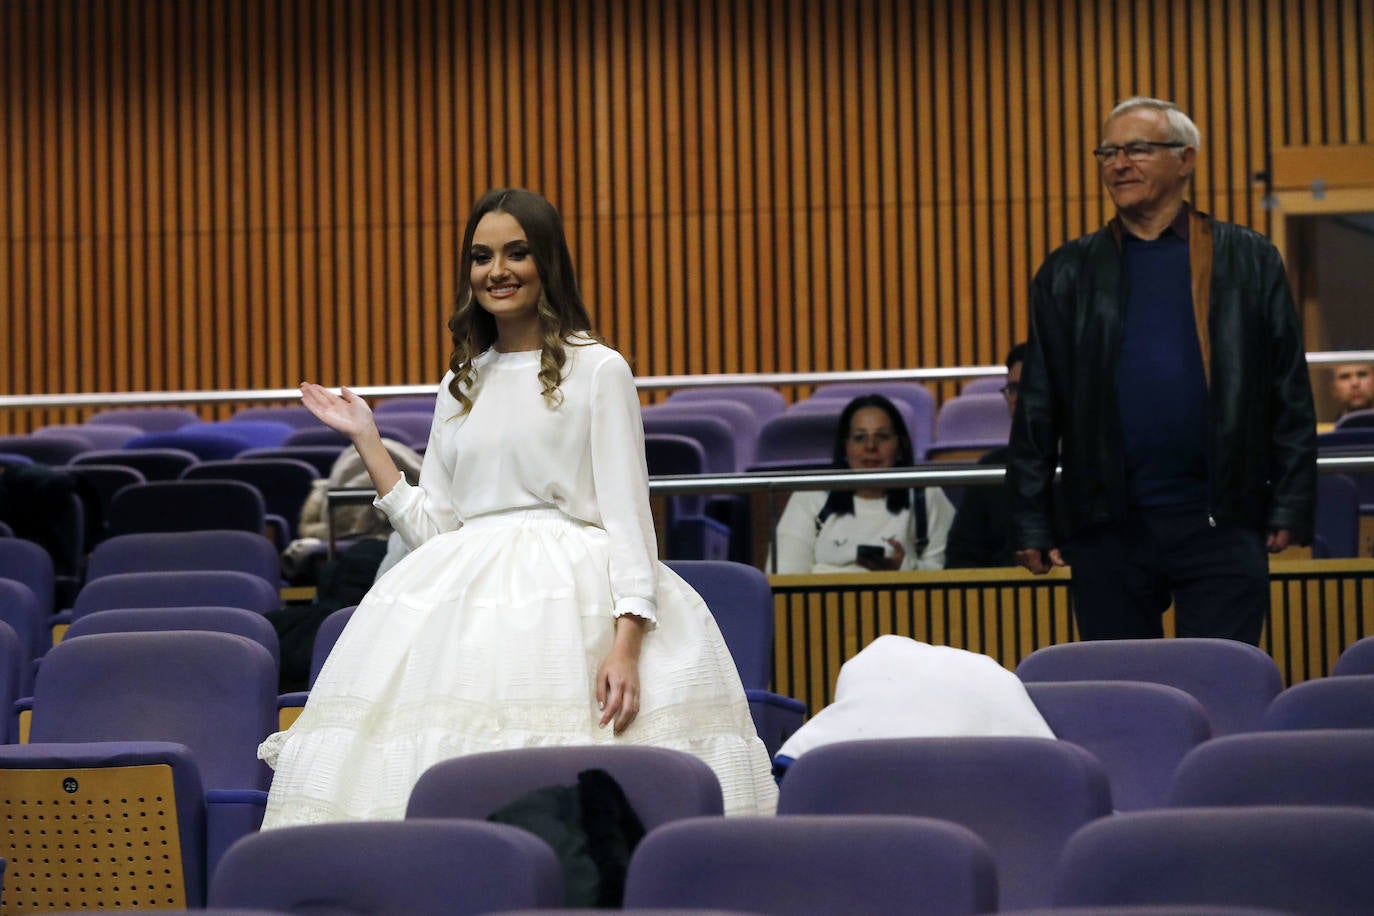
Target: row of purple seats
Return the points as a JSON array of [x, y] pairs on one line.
[[847, 840]]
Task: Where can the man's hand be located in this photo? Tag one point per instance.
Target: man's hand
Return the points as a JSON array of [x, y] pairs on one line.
[[1035, 560], [1279, 540]]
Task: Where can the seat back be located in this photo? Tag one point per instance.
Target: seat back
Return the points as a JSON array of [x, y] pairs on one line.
[[765, 402], [1356, 658], [148, 419], [105, 480], [181, 588], [320, 457], [325, 637], [14, 666], [19, 610], [799, 438], [744, 423], [257, 433], [1138, 731], [205, 444], [410, 427], [108, 435], [660, 784], [1294, 859], [984, 384], [714, 435], [152, 463], [741, 601], [283, 482], [1319, 767], [1338, 517], [1328, 702], [978, 416], [296, 416], [1356, 419], [419, 868], [216, 693], [187, 505], [248, 624], [1233, 681], [874, 865], [51, 449], [1022, 796], [26, 562], [410, 403], [186, 551]]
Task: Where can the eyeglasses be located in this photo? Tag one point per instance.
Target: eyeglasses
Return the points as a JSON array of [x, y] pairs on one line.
[[1010, 389], [1135, 151]]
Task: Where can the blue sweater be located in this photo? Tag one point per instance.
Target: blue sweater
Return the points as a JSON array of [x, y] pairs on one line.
[[1160, 384]]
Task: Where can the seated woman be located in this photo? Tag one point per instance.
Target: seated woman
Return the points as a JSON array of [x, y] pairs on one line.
[[871, 528]]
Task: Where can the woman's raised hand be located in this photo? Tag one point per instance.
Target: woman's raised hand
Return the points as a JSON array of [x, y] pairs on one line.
[[345, 412]]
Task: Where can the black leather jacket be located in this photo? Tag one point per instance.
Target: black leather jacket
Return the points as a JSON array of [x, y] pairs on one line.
[[1261, 450]]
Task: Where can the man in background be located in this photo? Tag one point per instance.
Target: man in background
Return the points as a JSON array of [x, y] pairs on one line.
[[1352, 385], [1165, 369]]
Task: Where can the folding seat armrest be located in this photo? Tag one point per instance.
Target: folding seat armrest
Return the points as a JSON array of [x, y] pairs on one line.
[[289, 706], [230, 815], [23, 719]]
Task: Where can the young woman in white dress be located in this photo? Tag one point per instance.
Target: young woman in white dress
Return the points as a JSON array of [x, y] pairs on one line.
[[869, 529], [531, 609]]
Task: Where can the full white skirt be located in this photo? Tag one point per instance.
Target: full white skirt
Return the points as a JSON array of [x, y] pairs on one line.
[[489, 638]]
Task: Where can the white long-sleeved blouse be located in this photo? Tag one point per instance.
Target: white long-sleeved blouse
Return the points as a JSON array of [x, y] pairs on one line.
[[513, 451]]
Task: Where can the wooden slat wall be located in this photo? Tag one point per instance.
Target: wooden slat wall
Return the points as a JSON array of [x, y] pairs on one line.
[[245, 193]]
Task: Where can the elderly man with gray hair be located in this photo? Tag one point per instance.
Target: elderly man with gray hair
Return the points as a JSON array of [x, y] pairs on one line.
[[1165, 370]]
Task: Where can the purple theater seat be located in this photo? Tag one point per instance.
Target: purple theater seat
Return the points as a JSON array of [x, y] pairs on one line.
[[1234, 682], [692, 535], [296, 416], [108, 435], [320, 457], [741, 601], [1338, 518], [50, 449], [257, 433], [181, 711], [970, 417], [1356, 419], [765, 402], [284, 483], [875, 865], [183, 551], [1356, 658], [215, 588], [148, 419], [714, 435], [1317, 767], [410, 403], [744, 424], [187, 505], [799, 439], [326, 636], [105, 480], [1328, 702], [1138, 731], [14, 666], [415, 867], [152, 463], [205, 444], [408, 426], [1022, 796], [27, 562], [1296, 859], [984, 384], [235, 620], [19, 610], [660, 784]]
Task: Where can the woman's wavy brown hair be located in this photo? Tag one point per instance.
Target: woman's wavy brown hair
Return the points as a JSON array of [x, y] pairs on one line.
[[561, 311]]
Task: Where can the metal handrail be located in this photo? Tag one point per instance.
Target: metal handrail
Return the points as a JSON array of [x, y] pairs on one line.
[[648, 383]]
